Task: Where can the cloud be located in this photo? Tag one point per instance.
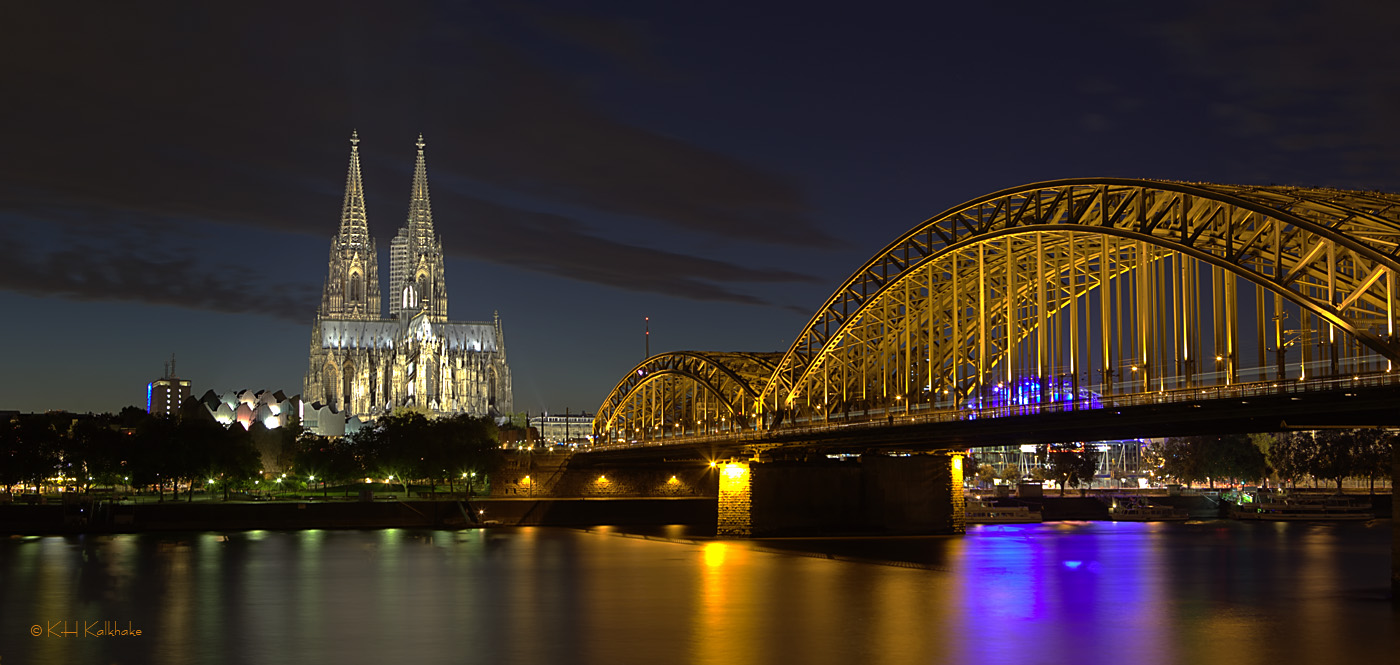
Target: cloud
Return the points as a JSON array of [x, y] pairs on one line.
[[626, 41], [1301, 79], [173, 111], [123, 268], [565, 248], [538, 137]]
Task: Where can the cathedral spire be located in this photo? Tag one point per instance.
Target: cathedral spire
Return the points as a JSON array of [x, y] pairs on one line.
[[420, 209], [354, 225], [352, 278], [416, 279]]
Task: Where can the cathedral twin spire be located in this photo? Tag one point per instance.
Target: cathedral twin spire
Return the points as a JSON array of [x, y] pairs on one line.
[[416, 281], [354, 226]]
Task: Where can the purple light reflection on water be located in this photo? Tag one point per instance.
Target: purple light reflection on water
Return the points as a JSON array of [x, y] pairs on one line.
[[1066, 592], [1053, 588]]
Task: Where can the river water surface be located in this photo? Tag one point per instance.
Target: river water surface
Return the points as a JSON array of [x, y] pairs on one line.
[[1066, 592]]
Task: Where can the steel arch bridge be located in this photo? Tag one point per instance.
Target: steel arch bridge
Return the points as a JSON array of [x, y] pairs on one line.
[[1070, 292], [685, 393]]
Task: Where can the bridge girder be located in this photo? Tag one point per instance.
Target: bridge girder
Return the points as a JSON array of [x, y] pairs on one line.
[[1006, 286], [684, 390]]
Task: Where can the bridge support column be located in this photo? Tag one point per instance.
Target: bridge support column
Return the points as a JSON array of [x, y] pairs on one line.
[[957, 506], [879, 494], [919, 494], [735, 500], [1395, 522]]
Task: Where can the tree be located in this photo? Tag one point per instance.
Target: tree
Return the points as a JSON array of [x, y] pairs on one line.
[[1231, 456], [1073, 467], [11, 454], [150, 453], [1289, 456], [1373, 454], [233, 459], [1176, 458], [36, 448], [276, 447], [1265, 443], [330, 459], [1334, 455], [96, 447], [986, 475]]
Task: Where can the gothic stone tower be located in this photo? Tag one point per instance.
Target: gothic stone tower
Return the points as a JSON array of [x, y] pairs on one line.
[[416, 276], [364, 365], [352, 283]]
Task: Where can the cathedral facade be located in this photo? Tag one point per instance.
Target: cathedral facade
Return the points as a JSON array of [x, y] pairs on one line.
[[364, 364]]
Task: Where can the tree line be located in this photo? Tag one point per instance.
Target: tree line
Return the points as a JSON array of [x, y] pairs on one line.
[[192, 450], [1330, 455], [1063, 465]]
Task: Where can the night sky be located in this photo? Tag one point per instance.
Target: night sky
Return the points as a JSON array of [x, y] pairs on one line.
[[171, 173]]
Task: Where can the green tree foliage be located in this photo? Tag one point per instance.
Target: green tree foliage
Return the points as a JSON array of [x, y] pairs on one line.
[[1232, 457], [233, 460], [276, 447], [1225, 457], [986, 475], [329, 458], [1334, 455], [1288, 455], [1174, 458], [408, 445], [96, 448], [1372, 456], [1072, 467], [28, 451]]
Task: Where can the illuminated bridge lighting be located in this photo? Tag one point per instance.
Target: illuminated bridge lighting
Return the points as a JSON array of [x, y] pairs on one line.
[[1065, 295]]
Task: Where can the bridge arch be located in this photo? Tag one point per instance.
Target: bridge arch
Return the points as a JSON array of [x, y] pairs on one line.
[[1060, 289], [684, 393]]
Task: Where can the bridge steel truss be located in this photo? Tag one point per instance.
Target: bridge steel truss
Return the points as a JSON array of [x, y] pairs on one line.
[[1070, 291], [684, 393], [1062, 295]]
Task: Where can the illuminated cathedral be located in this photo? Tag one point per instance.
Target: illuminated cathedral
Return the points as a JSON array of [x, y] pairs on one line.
[[363, 364]]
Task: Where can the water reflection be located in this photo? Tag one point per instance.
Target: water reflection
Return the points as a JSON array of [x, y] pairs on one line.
[[1215, 592]]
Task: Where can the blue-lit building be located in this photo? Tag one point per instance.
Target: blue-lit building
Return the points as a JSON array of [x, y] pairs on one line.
[[164, 395]]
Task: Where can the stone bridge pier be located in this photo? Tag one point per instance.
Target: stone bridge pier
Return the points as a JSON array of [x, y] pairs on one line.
[[913, 494]]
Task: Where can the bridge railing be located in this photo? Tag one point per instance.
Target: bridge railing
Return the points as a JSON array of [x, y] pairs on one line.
[[922, 414]]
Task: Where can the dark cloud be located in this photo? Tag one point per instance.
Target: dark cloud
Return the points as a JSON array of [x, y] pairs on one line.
[[563, 247], [238, 116], [627, 41], [1310, 80], [121, 267]]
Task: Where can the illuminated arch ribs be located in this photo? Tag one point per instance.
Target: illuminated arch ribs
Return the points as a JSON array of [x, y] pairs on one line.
[[1072, 289], [684, 393]]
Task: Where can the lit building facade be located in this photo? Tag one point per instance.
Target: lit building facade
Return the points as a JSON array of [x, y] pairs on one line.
[[364, 365], [164, 395]]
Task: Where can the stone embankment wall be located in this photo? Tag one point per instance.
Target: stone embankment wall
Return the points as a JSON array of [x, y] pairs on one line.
[[552, 476]]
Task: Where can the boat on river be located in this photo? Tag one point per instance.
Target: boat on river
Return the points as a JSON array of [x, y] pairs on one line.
[[981, 511], [1137, 509], [1291, 507]]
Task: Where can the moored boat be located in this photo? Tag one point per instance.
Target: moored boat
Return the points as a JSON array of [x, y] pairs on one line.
[[1136, 509], [1288, 507], [982, 511]]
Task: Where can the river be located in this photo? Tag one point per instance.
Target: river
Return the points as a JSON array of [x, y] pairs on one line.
[[1059, 592]]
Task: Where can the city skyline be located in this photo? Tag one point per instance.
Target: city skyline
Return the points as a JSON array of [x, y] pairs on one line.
[[172, 178]]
